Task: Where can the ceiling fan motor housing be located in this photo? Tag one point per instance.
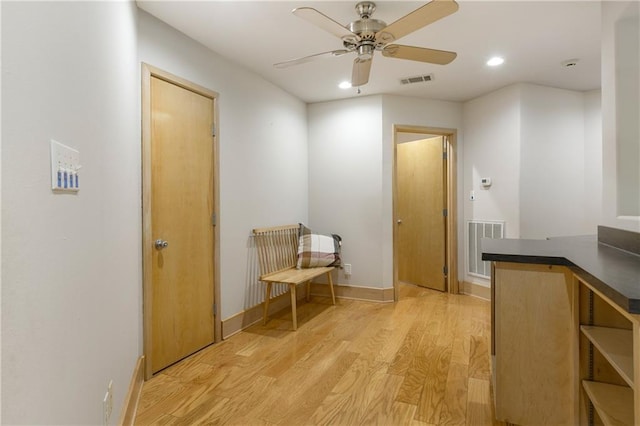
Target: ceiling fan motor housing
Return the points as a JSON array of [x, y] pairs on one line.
[[366, 29]]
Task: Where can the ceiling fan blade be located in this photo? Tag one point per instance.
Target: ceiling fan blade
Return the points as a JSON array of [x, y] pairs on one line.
[[421, 17], [360, 73], [321, 20], [309, 58], [421, 54]]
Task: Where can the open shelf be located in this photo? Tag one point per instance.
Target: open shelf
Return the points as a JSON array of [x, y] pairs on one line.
[[616, 345], [613, 403]]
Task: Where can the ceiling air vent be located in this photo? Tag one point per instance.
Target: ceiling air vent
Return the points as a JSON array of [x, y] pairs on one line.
[[418, 79]]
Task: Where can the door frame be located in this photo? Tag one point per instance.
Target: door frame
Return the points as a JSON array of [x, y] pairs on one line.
[[149, 71], [452, 284]]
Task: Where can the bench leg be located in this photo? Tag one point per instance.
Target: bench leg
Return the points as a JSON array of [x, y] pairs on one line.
[[292, 287], [308, 290], [267, 296], [333, 295]]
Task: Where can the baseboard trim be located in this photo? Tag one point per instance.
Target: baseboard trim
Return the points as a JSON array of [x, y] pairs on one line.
[[253, 315], [130, 406], [476, 290], [369, 294]]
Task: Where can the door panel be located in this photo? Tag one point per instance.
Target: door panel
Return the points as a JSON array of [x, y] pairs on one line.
[[182, 205], [420, 204]]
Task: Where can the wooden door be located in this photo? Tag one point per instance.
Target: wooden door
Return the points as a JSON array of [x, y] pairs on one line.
[[182, 205], [420, 195]]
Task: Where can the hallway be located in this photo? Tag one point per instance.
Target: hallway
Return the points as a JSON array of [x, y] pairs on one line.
[[422, 360]]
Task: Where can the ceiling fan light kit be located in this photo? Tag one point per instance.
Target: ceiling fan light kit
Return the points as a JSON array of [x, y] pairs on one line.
[[366, 35]]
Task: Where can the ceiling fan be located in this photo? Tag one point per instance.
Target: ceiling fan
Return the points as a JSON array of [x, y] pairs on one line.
[[366, 35]]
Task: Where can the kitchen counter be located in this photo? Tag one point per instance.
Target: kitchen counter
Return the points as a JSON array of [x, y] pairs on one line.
[[612, 271]]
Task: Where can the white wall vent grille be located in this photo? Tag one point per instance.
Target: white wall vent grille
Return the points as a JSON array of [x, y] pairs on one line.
[[417, 79], [477, 230]]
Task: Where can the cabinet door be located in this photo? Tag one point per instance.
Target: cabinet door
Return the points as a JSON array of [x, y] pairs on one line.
[[535, 344]]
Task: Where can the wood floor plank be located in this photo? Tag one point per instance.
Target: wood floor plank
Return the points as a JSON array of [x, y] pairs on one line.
[[390, 349], [369, 340], [407, 350], [479, 367], [461, 348], [422, 360], [178, 402], [411, 387], [205, 413], [449, 325], [312, 398], [163, 420], [383, 410], [305, 374], [157, 390], [293, 352], [350, 397], [227, 409], [478, 411], [433, 389], [454, 407]]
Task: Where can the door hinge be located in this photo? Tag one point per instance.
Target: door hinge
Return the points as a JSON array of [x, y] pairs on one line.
[[444, 155], [445, 212], [445, 271], [213, 219], [215, 309], [213, 130]]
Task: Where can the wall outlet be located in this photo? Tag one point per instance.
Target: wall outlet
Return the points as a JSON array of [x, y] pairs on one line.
[[347, 269], [107, 404]]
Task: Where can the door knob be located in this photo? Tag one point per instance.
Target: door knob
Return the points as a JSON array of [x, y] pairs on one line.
[[160, 244], [399, 221]]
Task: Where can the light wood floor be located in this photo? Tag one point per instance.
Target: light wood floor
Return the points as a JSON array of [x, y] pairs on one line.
[[422, 360]]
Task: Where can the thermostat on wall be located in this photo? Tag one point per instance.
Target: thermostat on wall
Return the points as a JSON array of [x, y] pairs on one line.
[[486, 182]]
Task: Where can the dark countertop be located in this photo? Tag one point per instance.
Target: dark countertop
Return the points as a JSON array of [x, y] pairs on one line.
[[613, 272]]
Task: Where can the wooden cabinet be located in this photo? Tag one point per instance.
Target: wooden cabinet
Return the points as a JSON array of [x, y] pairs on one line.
[[609, 356], [562, 352], [534, 344]]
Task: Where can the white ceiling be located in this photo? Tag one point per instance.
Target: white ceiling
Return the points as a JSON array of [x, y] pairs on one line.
[[534, 37]]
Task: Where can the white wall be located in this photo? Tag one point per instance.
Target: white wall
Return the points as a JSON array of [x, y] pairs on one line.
[[71, 270], [345, 185], [552, 170], [71, 264], [592, 200], [350, 174], [1, 224], [612, 12], [263, 149], [541, 147], [492, 149]]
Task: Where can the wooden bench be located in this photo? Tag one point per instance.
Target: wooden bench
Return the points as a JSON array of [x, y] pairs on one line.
[[278, 256]]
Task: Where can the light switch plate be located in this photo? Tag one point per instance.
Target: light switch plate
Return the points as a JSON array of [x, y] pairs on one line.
[[64, 159]]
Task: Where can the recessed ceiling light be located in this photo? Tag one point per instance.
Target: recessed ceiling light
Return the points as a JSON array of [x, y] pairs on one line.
[[495, 61], [345, 85]]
